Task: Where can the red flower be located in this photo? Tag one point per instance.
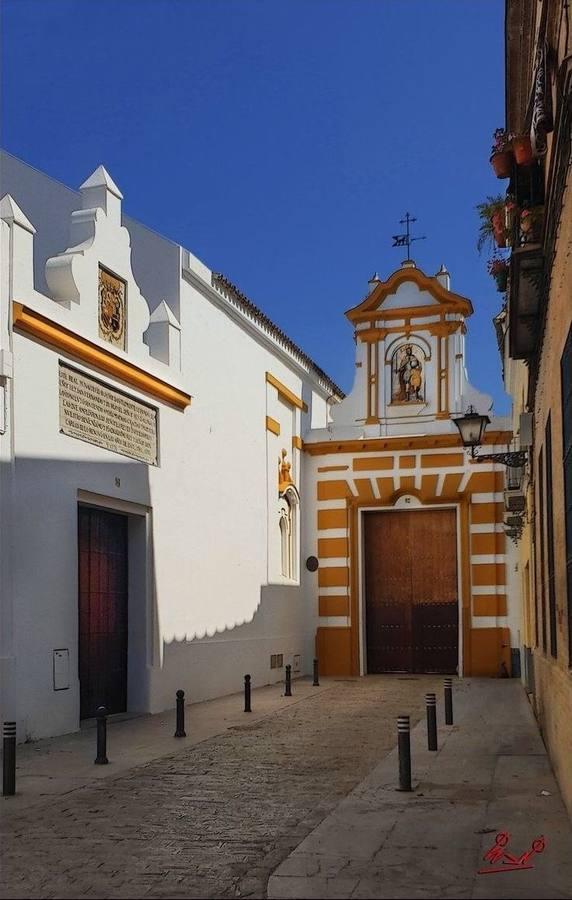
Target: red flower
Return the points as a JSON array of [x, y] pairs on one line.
[[496, 265]]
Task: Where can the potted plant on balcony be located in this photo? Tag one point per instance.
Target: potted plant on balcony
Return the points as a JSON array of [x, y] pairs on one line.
[[495, 215], [531, 218], [498, 268], [501, 154], [522, 149]]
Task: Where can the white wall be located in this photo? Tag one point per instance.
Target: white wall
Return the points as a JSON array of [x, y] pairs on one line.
[[207, 600]]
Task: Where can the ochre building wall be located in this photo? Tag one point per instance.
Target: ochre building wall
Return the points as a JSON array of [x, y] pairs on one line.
[[433, 470], [553, 675]]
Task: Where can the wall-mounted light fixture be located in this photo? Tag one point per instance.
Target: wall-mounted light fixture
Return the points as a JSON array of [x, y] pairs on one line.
[[472, 428]]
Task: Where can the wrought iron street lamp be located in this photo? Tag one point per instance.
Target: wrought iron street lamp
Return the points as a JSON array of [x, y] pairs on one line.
[[472, 428]]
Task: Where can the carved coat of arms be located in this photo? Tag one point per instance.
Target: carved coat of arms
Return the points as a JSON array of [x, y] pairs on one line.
[[111, 308]]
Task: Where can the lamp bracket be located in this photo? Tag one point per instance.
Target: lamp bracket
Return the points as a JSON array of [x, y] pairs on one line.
[[515, 459]]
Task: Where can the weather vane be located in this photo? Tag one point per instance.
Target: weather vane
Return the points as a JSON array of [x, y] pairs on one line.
[[405, 240]]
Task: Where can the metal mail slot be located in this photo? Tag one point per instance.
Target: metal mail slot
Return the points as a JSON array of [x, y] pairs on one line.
[[61, 670]]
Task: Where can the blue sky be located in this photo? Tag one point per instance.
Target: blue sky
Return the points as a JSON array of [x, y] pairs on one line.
[[281, 142]]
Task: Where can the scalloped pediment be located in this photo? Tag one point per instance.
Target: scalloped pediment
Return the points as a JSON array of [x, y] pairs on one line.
[[93, 277], [405, 290]]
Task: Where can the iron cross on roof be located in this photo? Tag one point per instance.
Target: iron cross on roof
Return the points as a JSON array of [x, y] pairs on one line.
[[405, 240]]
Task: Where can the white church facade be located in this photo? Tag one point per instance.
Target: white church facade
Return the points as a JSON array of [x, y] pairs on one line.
[[171, 462]]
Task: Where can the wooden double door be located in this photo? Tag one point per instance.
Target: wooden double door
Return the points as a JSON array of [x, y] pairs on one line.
[[411, 595], [103, 603]]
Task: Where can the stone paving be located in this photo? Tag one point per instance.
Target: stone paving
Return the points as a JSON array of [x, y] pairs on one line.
[[490, 775], [216, 819]]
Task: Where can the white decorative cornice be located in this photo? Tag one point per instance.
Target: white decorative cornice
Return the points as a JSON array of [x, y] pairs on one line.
[[11, 213], [101, 179], [63, 272], [98, 241], [164, 313]]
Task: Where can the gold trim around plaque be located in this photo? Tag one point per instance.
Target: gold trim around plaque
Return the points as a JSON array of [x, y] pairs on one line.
[[112, 308]]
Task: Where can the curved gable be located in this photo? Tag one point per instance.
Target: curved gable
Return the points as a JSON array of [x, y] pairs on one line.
[[408, 288]]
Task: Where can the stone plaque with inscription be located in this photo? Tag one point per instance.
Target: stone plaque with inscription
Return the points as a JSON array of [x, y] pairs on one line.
[[94, 412]]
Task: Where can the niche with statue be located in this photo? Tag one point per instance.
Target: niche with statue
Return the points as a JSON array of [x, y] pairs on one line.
[[407, 375]]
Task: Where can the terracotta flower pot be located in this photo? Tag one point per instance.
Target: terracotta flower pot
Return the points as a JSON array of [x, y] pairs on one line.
[[501, 279], [499, 230], [522, 149], [502, 163]]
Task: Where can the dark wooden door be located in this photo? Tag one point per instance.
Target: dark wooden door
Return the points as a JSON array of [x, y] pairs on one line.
[[412, 614], [102, 611]]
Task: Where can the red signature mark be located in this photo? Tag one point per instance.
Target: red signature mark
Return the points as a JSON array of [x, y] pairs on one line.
[[499, 860]]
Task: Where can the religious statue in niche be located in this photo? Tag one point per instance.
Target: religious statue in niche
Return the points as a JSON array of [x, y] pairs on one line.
[[284, 473], [111, 308], [407, 375]]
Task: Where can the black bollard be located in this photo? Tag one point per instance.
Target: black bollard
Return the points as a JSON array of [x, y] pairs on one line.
[[448, 701], [404, 750], [9, 762], [101, 758], [288, 682], [247, 706], [180, 729], [431, 703], [316, 682]]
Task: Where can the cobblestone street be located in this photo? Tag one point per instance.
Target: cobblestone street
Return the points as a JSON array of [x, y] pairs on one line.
[[216, 819]]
